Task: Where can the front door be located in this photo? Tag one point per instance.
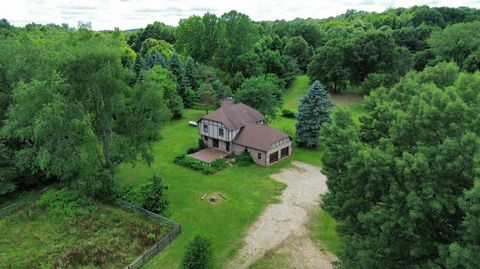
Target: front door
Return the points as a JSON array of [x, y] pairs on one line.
[[215, 143], [227, 146]]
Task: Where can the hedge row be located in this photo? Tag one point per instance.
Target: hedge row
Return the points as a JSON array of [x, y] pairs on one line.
[[206, 168]]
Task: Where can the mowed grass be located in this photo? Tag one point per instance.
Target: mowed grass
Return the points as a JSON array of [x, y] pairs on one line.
[[323, 229], [248, 191], [291, 98]]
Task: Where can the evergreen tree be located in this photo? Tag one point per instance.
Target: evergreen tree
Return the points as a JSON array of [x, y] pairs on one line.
[[312, 113], [198, 254], [191, 73]]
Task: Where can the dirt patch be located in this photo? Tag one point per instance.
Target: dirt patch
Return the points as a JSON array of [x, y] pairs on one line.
[[282, 227]]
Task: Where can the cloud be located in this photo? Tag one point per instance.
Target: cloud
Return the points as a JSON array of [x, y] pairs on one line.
[[130, 14]]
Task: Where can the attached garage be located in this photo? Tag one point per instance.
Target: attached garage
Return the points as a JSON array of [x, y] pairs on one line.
[[274, 157], [284, 152]]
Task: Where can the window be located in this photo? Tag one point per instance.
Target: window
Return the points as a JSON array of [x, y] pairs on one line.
[[206, 138], [284, 152], [227, 146], [259, 155], [205, 128], [215, 143], [220, 131]]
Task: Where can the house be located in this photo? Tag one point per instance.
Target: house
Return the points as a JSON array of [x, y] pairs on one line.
[[234, 127]]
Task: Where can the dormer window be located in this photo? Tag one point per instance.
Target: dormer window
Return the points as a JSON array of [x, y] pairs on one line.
[[220, 131], [205, 128]]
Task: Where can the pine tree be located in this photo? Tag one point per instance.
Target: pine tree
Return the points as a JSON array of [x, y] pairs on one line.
[[312, 113], [191, 73]]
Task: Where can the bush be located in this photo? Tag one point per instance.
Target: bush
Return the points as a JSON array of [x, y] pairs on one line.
[[192, 150], [103, 186], [243, 159], [201, 144], [287, 113], [207, 169], [152, 195], [64, 203], [198, 254]]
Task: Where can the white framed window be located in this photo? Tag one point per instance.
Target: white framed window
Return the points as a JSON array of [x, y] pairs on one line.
[[205, 128], [220, 131]]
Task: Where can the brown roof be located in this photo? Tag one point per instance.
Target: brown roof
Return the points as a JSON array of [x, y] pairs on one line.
[[235, 116], [258, 136]]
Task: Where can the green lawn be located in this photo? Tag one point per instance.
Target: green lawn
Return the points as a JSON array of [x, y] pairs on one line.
[[323, 226], [249, 189], [298, 89]]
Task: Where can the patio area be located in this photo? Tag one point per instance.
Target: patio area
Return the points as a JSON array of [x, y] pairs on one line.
[[209, 155]]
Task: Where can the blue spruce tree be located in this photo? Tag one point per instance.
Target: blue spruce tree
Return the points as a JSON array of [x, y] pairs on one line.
[[312, 113]]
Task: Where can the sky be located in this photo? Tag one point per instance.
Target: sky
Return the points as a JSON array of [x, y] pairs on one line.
[[133, 14]]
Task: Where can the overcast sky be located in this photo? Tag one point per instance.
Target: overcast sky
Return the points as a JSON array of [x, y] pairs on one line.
[[131, 14]]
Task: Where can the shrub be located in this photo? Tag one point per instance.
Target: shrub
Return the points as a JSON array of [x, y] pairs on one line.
[[152, 195], [198, 254], [287, 113], [64, 203], [103, 186], [218, 165], [243, 159], [192, 150], [201, 144], [207, 169]]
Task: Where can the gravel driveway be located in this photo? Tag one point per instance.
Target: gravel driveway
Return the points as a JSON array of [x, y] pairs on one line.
[[281, 227]]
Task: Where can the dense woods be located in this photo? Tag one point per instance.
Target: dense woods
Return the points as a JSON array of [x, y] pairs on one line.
[[76, 103]]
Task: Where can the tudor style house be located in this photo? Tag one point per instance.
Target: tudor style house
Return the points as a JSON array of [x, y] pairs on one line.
[[235, 127]]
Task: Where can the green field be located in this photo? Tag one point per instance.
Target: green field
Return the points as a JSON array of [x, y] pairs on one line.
[[248, 189]]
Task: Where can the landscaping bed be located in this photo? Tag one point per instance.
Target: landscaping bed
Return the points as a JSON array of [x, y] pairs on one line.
[[64, 229]]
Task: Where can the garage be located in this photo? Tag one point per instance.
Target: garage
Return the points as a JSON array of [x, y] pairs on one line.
[[284, 152], [274, 157]]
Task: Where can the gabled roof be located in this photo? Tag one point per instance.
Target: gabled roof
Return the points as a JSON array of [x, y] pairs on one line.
[[235, 116], [258, 136]]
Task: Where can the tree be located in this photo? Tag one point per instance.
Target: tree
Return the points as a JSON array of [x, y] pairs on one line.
[[156, 30], [198, 254], [162, 83], [153, 196], [298, 49], [206, 96], [261, 94], [456, 42], [197, 36], [328, 66], [7, 170], [52, 128], [312, 114], [464, 254], [237, 35], [190, 74], [383, 176]]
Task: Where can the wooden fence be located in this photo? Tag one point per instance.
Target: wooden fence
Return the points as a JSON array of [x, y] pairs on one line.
[[23, 202], [175, 228]]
